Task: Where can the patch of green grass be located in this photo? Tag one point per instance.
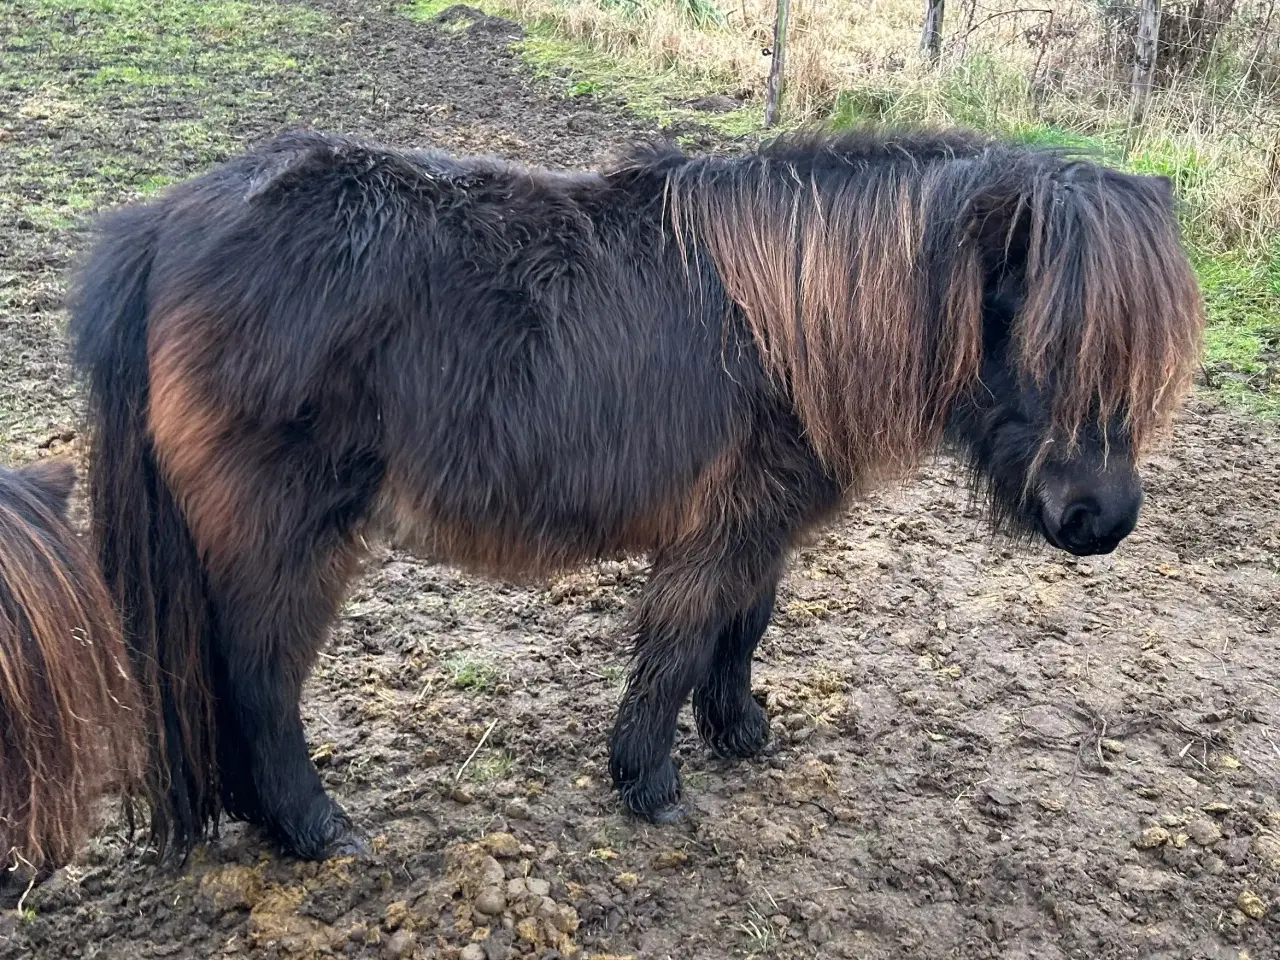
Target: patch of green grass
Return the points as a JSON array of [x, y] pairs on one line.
[[430, 9], [868, 105], [1055, 137], [132, 76], [1242, 341], [84, 59], [472, 674], [759, 931], [978, 92], [105, 100], [155, 183], [657, 96], [152, 43], [490, 765]]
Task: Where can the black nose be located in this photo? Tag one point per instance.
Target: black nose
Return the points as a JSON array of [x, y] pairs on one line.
[[1091, 526]]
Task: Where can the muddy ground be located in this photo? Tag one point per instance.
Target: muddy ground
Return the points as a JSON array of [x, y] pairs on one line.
[[977, 753]]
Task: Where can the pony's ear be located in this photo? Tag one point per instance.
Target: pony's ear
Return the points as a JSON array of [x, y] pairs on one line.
[[1163, 188], [51, 482]]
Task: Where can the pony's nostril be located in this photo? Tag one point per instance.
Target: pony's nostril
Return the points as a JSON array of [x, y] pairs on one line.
[[1077, 524]]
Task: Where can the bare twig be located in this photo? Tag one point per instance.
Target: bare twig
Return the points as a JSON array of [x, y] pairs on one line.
[[1003, 13], [19, 860], [463, 769]]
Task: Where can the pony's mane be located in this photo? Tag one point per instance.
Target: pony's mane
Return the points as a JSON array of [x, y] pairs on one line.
[[860, 262]]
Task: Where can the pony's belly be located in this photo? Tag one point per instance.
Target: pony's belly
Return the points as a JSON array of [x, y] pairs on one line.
[[475, 546]]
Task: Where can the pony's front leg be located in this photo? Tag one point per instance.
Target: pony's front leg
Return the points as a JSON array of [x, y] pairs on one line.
[[698, 619], [729, 719], [705, 608], [670, 661]]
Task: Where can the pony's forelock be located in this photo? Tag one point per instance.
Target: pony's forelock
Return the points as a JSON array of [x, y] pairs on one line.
[[1113, 319]]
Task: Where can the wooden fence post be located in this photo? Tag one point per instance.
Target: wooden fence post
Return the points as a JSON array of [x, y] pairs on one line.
[[773, 93], [1144, 61], [931, 35]]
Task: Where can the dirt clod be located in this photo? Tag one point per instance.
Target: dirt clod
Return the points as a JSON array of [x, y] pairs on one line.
[[1204, 832], [669, 859], [1152, 837], [502, 845], [400, 946], [231, 887], [491, 901], [1266, 847], [517, 810], [1251, 905], [626, 882], [276, 922]]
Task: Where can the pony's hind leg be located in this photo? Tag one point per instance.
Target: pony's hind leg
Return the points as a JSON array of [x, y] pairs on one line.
[[729, 719], [275, 515], [272, 620]]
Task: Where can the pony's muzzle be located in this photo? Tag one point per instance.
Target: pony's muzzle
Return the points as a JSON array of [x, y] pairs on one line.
[[1090, 517]]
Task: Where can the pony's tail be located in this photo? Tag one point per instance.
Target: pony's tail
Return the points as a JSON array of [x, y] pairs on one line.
[[148, 557], [69, 717]]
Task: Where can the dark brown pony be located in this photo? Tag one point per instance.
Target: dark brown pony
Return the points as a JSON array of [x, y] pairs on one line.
[[70, 726], [518, 371]]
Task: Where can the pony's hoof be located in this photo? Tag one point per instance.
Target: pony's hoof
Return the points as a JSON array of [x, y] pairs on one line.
[[327, 833], [353, 843], [741, 738], [656, 797], [676, 813]]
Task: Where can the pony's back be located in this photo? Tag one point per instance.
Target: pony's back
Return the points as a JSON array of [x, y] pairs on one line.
[[67, 698]]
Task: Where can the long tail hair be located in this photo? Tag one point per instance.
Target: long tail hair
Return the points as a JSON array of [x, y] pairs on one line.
[[145, 550], [68, 703], [860, 265]]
